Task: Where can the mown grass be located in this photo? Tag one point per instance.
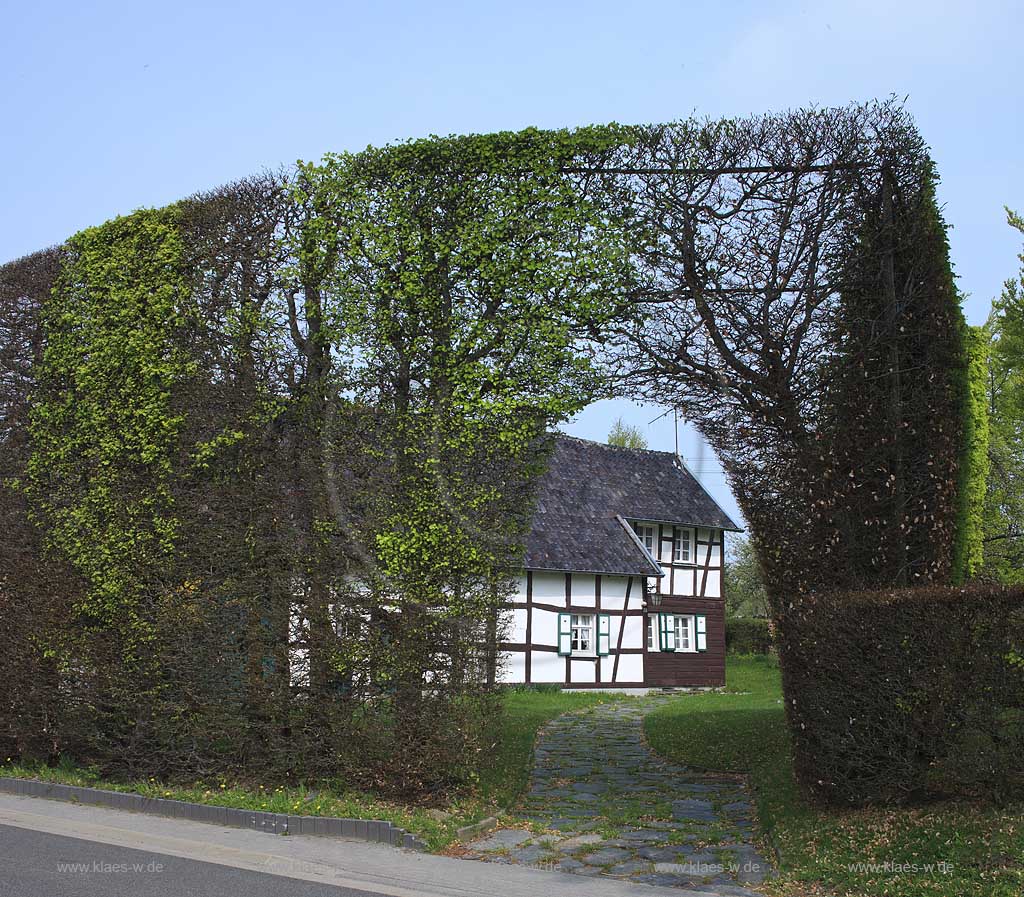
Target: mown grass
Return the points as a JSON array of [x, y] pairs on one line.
[[501, 778], [323, 799], [947, 849]]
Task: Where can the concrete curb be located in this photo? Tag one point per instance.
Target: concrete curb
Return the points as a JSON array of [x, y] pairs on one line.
[[374, 830]]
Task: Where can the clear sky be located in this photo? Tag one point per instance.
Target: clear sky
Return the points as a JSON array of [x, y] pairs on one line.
[[111, 106]]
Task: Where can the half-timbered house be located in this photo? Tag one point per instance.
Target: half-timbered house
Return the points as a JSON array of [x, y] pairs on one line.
[[622, 579]]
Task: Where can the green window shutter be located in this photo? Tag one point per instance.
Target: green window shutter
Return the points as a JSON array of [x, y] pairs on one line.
[[564, 635], [702, 632], [604, 635], [667, 636]]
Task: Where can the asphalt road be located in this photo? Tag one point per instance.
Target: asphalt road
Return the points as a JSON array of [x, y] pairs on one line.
[[35, 864]]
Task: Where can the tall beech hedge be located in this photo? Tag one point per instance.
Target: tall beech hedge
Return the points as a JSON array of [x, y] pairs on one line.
[[268, 456], [899, 695], [36, 590]]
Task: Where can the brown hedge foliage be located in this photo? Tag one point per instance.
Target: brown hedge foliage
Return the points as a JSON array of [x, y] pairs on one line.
[[34, 591], [802, 313], [892, 415], [900, 695]]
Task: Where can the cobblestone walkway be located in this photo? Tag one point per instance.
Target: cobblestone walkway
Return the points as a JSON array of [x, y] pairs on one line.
[[601, 803]]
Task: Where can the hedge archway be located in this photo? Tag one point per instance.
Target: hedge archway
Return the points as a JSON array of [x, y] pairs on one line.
[[280, 411]]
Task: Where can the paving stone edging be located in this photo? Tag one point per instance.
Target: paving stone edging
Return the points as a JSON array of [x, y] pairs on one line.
[[377, 830], [477, 828]]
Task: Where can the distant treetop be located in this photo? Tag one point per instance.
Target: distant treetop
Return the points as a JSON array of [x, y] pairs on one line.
[[625, 436]]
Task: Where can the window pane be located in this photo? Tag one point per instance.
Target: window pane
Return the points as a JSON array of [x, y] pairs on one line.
[[683, 633], [683, 545], [646, 535], [582, 633]]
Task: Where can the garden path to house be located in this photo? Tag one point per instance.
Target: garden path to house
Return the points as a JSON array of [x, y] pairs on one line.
[[601, 802]]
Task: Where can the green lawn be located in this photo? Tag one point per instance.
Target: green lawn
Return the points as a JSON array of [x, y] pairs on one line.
[[502, 777], [959, 849]]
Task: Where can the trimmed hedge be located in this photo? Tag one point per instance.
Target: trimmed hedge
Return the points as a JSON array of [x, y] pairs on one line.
[[968, 550], [898, 695], [748, 635]]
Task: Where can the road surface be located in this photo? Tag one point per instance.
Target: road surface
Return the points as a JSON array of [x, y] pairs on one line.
[[33, 864]]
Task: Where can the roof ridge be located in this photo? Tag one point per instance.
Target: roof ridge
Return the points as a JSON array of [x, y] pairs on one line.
[[558, 434]]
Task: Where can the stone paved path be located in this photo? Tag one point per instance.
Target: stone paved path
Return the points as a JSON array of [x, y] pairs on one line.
[[602, 803]]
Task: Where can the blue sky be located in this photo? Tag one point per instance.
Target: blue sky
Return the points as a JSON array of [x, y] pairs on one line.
[[111, 106]]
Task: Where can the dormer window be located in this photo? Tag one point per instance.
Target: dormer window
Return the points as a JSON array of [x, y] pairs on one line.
[[645, 533]]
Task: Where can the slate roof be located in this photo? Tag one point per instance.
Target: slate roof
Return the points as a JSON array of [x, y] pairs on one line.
[[589, 486]]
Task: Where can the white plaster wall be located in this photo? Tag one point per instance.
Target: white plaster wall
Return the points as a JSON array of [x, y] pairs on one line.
[[633, 635], [512, 667], [549, 588], [517, 626], [547, 667], [682, 581], [585, 670], [613, 631], [545, 627], [665, 546], [520, 588], [714, 586], [298, 654], [613, 592], [636, 593], [631, 668], [584, 588]]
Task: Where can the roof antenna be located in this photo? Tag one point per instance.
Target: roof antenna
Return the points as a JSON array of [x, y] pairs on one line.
[[675, 426]]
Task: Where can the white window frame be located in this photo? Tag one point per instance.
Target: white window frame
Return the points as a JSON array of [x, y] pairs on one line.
[[583, 635], [677, 545], [681, 624]]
